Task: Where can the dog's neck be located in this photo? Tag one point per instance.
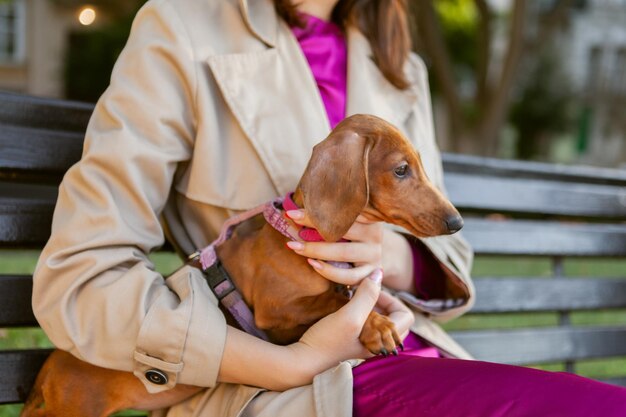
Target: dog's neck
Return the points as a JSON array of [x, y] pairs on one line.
[[298, 198]]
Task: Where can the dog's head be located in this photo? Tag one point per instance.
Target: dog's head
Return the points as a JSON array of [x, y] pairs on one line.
[[366, 166]]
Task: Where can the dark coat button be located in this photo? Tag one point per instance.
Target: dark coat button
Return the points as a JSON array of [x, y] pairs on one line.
[[156, 376]]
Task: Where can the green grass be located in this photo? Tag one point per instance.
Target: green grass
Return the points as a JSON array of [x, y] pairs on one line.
[[23, 262]]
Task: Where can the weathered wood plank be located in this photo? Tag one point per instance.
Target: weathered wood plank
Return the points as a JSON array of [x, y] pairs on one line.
[[543, 238], [19, 370], [44, 113], [544, 345], [621, 382], [15, 301], [51, 151], [25, 214], [474, 165], [533, 196], [511, 294]]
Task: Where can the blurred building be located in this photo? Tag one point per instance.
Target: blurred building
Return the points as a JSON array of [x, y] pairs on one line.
[[34, 36], [596, 51]]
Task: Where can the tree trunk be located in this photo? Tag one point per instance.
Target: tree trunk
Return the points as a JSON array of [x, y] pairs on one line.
[[432, 37], [496, 111]]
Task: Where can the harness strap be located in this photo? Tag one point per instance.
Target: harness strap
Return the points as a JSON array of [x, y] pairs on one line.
[[227, 294]]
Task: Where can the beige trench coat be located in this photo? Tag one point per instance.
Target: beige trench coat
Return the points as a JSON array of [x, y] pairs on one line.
[[212, 109]]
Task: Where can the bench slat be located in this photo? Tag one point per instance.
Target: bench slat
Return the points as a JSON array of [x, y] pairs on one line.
[[44, 113], [45, 150], [543, 345], [621, 382], [507, 168], [15, 296], [504, 295], [524, 237], [494, 295], [19, 370], [26, 214], [530, 196]]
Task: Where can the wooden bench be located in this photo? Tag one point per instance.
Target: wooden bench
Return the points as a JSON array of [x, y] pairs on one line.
[[511, 209]]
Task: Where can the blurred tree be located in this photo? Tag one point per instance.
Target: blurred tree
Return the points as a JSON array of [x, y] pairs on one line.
[[456, 37], [544, 105]]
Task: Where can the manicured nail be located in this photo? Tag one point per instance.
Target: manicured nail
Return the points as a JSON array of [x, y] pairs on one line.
[[395, 352], [314, 263], [295, 245], [295, 214], [384, 352], [377, 276]]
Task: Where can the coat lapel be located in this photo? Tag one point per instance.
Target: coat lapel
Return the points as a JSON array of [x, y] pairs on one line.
[[275, 99]]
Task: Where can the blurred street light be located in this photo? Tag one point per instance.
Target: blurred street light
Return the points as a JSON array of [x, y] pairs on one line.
[[87, 15]]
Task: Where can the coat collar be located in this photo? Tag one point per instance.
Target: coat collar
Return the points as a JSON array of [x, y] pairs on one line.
[[381, 98], [274, 97], [261, 19]]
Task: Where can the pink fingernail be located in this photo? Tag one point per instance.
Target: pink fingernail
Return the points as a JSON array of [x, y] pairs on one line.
[[295, 245], [377, 276], [314, 263], [295, 214]]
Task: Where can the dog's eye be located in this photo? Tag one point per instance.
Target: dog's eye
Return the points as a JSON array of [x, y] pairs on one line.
[[401, 171]]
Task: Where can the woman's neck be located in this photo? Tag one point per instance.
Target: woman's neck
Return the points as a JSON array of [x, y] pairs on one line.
[[322, 9]]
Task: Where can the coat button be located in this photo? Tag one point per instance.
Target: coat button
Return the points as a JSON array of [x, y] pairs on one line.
[[156, 376]]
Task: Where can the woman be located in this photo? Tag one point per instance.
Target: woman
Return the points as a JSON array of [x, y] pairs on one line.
[[213, 108]]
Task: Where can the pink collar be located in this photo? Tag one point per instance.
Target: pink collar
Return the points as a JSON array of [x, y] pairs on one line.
[[306, 234], [274, 214]]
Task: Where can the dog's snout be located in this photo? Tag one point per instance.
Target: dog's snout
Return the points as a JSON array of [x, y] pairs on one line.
[[454, 223]]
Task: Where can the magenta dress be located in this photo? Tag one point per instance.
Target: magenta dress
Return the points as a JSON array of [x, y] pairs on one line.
[[419, 382]]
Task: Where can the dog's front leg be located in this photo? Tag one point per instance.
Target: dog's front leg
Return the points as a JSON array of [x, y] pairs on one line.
[[379, 335]]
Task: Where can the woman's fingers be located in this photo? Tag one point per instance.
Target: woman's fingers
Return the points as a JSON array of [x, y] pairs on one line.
[[345, 276], [336, 337], [364, 250], [364, 299], [341, 251], [365, 232], [362, 230]]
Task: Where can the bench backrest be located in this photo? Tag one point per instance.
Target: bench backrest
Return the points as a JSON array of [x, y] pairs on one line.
[[510, 208], [552, 211]]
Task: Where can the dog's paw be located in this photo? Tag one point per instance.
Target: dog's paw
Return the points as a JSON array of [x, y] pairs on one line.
[[379, 335]]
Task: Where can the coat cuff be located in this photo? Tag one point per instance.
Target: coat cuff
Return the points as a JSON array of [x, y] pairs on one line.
[[441, 273], [183, 341]]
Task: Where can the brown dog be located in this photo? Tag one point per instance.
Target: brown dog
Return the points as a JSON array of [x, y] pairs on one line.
[[365, 166]]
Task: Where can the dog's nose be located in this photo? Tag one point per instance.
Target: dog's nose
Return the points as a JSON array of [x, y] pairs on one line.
[[454, 223]]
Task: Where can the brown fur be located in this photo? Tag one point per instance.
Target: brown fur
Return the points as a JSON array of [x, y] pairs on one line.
[[350, 173]]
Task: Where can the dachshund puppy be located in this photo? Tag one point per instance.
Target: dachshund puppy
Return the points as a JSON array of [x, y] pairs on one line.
[[364, 167]]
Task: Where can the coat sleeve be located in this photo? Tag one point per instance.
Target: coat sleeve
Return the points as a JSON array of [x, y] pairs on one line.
[[453, 252], [96, 293]]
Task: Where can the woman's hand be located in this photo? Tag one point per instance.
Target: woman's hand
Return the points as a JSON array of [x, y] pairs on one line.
[[252, 361], [364, 250], [370, 246], [336, 337]]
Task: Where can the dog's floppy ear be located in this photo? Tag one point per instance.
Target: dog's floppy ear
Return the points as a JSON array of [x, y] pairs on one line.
[[335, 186]]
